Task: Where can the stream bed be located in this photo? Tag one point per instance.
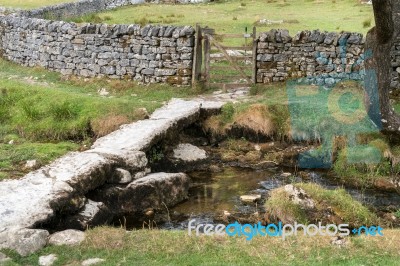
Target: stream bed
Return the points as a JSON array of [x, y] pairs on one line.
[[212, 195]]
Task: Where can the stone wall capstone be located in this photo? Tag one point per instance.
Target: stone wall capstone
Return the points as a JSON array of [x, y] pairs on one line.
[[148, 54]]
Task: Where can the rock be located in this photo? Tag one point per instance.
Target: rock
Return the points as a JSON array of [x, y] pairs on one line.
[[103, 92], [286, 175], [11, 142], [189, 153], [47, 260], [120, 176], [250, 198], [329, 82], [93, 214], [92, 261], [339, 241], [22, 240], [3, 258], [150, 192], [35, 197], [68, 237], [215, 169], [299, 196], [30, 164]]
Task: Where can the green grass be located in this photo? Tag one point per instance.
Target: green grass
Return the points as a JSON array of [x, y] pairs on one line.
[[350, 210], [13, 157], [47, 116], [340, 15], [159, 247], [30, 4]]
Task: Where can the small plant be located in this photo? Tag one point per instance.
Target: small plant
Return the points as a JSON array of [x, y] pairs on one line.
[[367, 23], [397, 214], [228, 110], [31, 111], [143, 21], [156, 154], [235, 18], [64, 111], [242, 4]]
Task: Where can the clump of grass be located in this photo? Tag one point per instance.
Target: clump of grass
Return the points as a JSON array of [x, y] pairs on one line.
[[280, 207], [104, 125], [364, 164], [268, 120], [228, 110], [64, 111], [367, 23], [257, 118], [350, 210], [92, 18]]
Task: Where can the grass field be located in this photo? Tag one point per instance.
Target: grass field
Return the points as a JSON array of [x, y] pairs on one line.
[[232, 16], [160, 247], [29, 4]]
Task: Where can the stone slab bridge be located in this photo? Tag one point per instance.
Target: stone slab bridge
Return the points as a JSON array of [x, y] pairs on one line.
[[118, 158]]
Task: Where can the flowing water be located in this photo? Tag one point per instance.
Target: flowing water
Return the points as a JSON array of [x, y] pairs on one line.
[[212, 194]]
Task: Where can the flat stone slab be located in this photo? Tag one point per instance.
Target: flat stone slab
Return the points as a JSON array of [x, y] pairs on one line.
[[140, 135], [189, 153]]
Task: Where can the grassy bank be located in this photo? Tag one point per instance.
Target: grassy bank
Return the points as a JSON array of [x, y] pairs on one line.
[[234, 15], [336, 120], [329, 206], [43, 116], [158, 247]]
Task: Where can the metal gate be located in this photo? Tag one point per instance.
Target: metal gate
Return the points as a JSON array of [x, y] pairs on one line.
[[224, 60]]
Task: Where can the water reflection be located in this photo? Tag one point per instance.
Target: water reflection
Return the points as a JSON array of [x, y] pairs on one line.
[[214, 193]]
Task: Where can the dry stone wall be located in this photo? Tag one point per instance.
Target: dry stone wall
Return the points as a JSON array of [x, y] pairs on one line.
[[314, 57], [148, 54], [165, 53]]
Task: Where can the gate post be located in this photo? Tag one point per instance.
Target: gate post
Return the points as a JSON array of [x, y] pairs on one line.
[[255, 43], [197, 58], [207, 48]]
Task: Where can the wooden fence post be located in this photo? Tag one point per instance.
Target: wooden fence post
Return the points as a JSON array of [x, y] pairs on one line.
[[207, 49], [255, 43], [197, 58]]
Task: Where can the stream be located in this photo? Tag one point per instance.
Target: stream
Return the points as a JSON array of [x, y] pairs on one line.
[[213, 194]]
